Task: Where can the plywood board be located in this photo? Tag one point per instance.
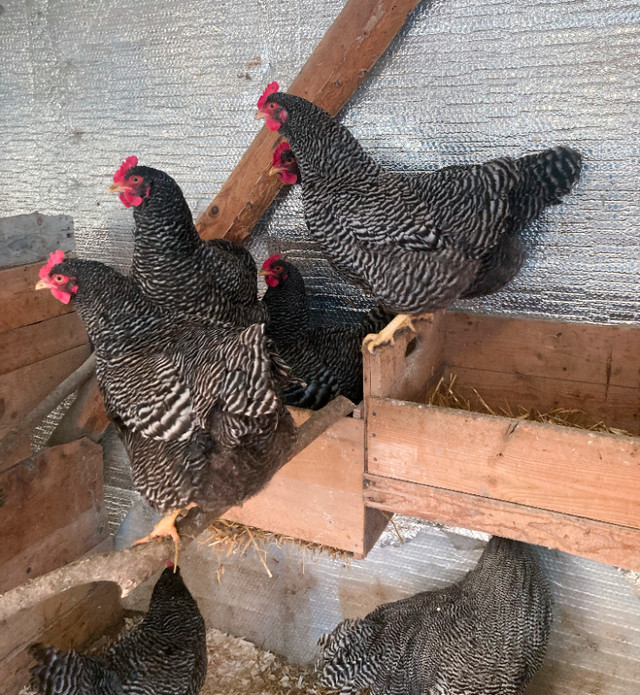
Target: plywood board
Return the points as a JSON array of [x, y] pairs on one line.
[[317, 496], [561, 469], [613, 544]]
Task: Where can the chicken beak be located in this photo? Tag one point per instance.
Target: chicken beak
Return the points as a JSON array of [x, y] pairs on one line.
[[259, 116], [42, 285], [116, 188], [274, 171], [263, 273]]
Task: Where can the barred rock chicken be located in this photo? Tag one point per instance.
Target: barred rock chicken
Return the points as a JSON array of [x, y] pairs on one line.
[[328, 358], [210, 280], [417, 243], [165, 655], [196, 406], [485, 635]]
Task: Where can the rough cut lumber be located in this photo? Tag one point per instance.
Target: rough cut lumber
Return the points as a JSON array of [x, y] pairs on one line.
[[357, 38], [133, 565], [30, 238], [85, 418], [71, 620], [13, 440], [561, 469], [28, 344], [21, 303], [52, 511], [615, 545]]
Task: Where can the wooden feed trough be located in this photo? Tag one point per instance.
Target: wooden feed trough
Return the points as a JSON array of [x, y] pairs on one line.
[[566, 488]]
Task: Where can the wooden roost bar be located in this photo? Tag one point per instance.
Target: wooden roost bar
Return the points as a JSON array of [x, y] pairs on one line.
[[568, 488]]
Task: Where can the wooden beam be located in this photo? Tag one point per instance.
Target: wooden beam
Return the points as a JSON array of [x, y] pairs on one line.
[[610, 543], [560, 469], [357, 38]]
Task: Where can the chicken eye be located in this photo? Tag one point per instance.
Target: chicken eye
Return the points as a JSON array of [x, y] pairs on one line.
[[135, 179], [58, 278], [272, 105]]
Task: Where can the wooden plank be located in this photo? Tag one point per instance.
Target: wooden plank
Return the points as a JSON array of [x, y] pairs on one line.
[[317, 496], [21, 303], [599, 354], [22, 389], [30, 238], [71, 620], [53, 511], [85, 418], [406, 368], [357, 38], [610, 543], [617, 406], [587, 474], [28, 344]]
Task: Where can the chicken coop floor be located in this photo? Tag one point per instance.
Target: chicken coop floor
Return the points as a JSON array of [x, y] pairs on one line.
[[238, 667]]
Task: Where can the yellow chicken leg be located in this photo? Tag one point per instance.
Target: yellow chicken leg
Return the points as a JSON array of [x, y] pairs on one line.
[[167, 527], [385, 337]]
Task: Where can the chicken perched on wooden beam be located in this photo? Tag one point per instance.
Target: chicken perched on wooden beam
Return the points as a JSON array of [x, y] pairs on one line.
[[416, 242], [166, 653], [196, 405]]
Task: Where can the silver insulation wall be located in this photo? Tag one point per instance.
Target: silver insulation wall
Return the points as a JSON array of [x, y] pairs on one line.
[[85, 84]]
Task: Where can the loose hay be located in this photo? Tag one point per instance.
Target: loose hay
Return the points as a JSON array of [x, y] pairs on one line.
[[445, 395], [228, 537]]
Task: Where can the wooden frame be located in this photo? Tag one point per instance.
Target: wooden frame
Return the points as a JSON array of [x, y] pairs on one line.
[[572, 489]]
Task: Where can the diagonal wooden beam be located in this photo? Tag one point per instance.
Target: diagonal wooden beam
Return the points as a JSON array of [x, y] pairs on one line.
[[359, 35]]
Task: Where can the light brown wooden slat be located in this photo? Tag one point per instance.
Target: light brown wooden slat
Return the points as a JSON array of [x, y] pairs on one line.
[[28, 344], [21, 304], [591, 475], [21, 390], [317, 496], [357, 38], [598, 354], [610, 543], [52, 510], [617, 406]]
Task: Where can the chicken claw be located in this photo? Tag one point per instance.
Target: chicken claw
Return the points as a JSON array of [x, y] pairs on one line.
[[167, 527], [386, 335]]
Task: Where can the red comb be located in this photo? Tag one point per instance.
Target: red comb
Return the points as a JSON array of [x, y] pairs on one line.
[[277, 153], [54, 258], [271, 88], [169, 563], [128, 163], [272, 259]]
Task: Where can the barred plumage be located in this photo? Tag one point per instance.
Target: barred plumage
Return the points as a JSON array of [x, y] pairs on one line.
[[485, 635], [416, 241], [165, 655], [210, 281], [328, 358], [197, 406]]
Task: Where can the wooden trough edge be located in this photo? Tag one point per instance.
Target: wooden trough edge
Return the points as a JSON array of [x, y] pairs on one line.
[[609, 543]]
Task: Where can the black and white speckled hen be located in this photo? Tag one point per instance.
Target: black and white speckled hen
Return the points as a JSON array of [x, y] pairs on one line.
[[327, 358], [165, 655], [212, 280], [417, 243], [485, 635], [196, 405]]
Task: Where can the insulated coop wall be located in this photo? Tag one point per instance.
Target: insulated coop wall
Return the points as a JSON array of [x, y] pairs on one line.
[[86, 84]]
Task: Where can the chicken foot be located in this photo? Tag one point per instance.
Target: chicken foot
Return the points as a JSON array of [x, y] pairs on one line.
[[386, 335], [167, 527]]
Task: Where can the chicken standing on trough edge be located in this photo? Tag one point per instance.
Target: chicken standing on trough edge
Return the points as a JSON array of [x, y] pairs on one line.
[[327, 358], [165, 655], [416, 242], [197, 406], [485, 635]]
